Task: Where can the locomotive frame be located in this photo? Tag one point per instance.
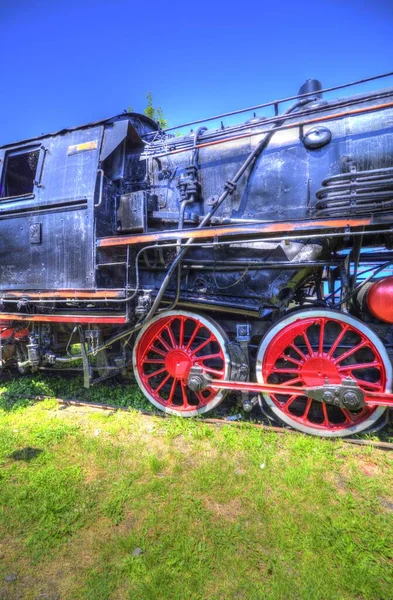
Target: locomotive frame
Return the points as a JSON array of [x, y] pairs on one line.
[[129, 240]]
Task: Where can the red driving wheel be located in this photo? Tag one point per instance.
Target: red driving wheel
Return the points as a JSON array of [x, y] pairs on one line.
[[312, 347], [164, 352]]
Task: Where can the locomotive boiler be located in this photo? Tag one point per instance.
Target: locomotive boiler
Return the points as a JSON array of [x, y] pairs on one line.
[[249, 258]]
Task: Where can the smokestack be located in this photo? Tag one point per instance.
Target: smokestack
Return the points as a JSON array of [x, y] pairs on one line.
[[311, 85]]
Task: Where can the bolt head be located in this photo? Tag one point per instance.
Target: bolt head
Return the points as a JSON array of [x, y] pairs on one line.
[[328, 397], [195, 383], [351, 400]]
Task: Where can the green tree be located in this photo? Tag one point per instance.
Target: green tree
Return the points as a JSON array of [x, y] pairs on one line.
[[155, 113]]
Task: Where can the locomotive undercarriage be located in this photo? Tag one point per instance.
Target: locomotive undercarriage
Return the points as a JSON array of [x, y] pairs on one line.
[[312, 334]]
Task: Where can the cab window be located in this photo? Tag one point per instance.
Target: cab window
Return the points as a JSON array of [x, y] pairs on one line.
[[19, 174]]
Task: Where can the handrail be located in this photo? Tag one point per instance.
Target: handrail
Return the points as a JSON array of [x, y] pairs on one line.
[[293, 125], [101, 172], [277, 102]]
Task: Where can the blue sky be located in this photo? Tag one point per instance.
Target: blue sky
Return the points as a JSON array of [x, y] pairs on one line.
[[68, 63]]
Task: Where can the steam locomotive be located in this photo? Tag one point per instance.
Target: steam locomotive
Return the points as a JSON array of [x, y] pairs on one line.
[[249, 258]]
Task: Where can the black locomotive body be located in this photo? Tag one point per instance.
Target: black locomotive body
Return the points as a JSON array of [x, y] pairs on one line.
[[251, 258]]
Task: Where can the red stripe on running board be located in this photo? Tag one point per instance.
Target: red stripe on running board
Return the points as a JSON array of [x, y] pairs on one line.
[[67, 294], [230, 230], [64, 318]]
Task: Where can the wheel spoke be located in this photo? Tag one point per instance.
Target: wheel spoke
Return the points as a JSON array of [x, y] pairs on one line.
[[338, 340], [299, 352], [325, 414], [283, 370], [291, 359], [309, 348], [150, 375], [172, 392], [307, 408], [350, 351], [202, 345], [181, 331], [359, 366], [291, 381], [213, 371], [163, 382], [192, 338], [201, 399], [209, 356], [184, 393], [163, 342], [348, 415], [157, 350], [321, 335], [290, 400], [171, 336], [370, 384], [153, 361]]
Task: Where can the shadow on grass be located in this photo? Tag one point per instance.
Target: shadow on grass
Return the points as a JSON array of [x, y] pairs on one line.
[[27, 454], [10, 401]]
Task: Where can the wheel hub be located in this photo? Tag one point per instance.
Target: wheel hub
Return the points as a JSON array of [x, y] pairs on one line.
[[319, 370], [178, 364]]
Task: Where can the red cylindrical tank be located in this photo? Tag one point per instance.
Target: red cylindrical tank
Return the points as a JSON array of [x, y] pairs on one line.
[[380, 299]]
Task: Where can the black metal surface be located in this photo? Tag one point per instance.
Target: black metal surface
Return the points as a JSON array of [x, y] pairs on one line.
[[131, 214]]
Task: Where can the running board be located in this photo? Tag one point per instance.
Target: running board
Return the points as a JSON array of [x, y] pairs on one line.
[[65, 318]]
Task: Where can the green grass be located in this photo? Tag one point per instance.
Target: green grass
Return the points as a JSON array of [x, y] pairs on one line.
[[219, 513]]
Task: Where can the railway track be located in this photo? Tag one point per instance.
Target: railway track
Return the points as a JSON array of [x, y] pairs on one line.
[[215, 422]]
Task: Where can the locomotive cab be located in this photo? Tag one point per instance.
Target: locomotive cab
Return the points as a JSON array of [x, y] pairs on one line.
[[51, 198], [46, 209]]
